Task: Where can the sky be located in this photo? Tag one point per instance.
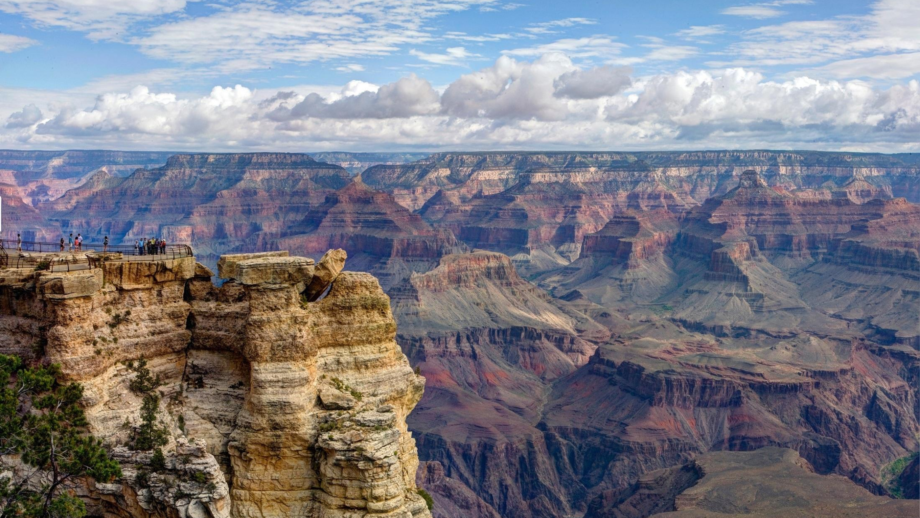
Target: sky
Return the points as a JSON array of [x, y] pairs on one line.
[[431, 75]]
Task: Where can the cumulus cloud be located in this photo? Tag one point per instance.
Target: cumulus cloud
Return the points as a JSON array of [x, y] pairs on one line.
[[10, 43], [509, 90], [547, 103], [144, 112], [24, 118], [407, 97], [593, 83]]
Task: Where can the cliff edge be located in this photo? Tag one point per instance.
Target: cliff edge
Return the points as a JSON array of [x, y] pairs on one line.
[[283, 390]]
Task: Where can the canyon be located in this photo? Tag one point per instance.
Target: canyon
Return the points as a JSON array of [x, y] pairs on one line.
[[593, 329]]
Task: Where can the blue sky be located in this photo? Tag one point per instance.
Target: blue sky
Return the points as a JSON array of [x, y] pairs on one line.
[[459, 74]]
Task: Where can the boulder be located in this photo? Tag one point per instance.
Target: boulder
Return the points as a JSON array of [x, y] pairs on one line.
[[334, 399], [326, 271], [203, 272]]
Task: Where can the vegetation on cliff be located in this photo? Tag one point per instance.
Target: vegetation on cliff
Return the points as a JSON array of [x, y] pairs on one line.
[[43, 426]]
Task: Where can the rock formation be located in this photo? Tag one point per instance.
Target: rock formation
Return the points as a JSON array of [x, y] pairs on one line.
[[47, 175], [214, 202], [379, 235], [767, 483], [275, 405]]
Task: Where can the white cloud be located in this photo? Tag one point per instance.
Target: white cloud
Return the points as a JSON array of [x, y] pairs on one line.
[[551, 26], [604, 47], [11, 43], [102, 19], [885, 66], [249, 34], [481, 38], [662, 52], [700, 31], [509, 90], [24, 118], [759, 12], [888, 29], [500, 7], [144, 112], [592, 83], [350, 67], [548, 103], [407, 97], [455, 56]]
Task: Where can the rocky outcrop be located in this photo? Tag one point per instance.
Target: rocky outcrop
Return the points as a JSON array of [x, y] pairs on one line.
[[275, 405]]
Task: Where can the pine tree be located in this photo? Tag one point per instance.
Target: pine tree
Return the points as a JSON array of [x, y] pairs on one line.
[[41, 420]]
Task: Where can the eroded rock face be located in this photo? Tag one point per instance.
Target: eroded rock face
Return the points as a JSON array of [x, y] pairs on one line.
[[274, 406], [766, 483]]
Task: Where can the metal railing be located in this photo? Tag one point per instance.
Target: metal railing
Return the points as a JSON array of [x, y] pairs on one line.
[[31, 254]]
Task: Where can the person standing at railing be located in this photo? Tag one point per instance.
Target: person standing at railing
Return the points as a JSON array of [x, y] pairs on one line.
[[70, 242], [136, 248], [79, 242], [105, 244], [162, 247], [62, 244], [18, 242]]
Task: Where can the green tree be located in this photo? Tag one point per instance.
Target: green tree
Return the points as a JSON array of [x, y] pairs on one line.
[[41, 420], [151, 433]]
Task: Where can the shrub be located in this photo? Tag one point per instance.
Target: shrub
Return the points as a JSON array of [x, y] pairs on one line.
[[427, 497]]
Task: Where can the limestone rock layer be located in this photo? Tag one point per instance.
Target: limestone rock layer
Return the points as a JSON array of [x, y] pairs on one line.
[[275, 406]]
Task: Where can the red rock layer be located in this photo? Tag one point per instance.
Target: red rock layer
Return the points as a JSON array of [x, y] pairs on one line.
[[217, 201]]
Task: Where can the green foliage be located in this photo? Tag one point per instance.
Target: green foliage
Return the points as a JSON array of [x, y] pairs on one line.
[[143, 382], [41, 421], [157, 461], [118, 319], [344, 387], [426, 497], [892, 472], [151, 433], [43, 265]]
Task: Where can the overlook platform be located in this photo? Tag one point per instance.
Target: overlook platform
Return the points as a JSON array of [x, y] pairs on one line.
[[48, 256]]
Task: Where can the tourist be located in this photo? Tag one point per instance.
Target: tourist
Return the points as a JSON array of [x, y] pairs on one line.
[[79, 241], [62, 244], [105, 244], [70, 242], [136, 247], [163, 246], [18, 242]]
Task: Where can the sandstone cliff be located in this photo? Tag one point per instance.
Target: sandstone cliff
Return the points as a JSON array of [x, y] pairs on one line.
[[275, 406]]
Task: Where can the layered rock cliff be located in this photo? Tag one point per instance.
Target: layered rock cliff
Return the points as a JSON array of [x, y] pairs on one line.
[[274, 405], [214, 202], [47, 175]]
